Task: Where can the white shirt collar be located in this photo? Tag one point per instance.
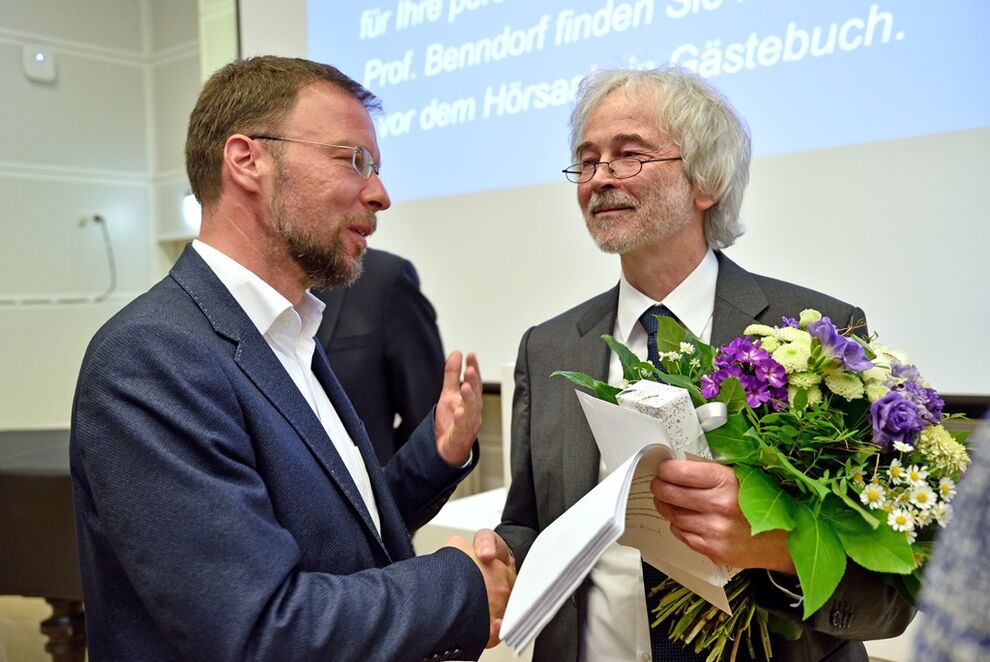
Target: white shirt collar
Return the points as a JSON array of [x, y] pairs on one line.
[[692, 302], [262, 303]]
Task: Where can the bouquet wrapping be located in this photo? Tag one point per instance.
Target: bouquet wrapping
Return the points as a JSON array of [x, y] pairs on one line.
[[834, 438]]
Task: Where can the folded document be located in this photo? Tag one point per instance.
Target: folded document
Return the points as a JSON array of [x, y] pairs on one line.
[[620, 508]]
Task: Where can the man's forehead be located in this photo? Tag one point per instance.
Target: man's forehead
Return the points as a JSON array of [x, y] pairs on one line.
[[622, 138]]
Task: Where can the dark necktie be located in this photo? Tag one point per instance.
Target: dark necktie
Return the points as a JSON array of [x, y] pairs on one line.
[[663, 649]]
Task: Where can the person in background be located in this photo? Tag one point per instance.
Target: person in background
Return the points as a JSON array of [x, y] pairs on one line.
[[229, 505], [956, 598], [383, 343], [661, 163]]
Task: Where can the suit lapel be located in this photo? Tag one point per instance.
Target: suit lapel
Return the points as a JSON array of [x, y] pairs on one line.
[[388, 514], [738, 301], [259, 363], [580, 455]]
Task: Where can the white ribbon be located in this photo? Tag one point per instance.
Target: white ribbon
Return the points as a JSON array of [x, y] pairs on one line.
[[712, 415]]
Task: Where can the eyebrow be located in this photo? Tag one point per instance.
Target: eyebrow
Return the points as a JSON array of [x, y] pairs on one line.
[[620, 139]]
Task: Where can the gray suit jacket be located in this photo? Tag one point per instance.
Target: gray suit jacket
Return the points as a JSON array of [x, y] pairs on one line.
[[555, 461]]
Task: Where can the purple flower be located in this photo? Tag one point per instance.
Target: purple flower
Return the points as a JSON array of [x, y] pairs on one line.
[[905, 371], [895, 418], [763, 379], [845, 350], [927, 401], [789, 321]]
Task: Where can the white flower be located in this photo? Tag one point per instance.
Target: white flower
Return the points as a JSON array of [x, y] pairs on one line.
[[896, 472], [695, 363], [804, 379], [873, 495], [758, 330], [922, 496], [859, 476], [844, 384], [947, 489], [794, 356], [687, 348], [875, 390], [943, 513], [903, 447], [790, 334], [900, 520], [807, 316], [923, 518], [770, 344], [916, 475]]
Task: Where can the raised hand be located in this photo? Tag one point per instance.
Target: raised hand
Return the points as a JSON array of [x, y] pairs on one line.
[[458, 414]]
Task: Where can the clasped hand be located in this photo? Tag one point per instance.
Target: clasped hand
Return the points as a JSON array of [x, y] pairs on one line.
[[498, 567], [700, 500]]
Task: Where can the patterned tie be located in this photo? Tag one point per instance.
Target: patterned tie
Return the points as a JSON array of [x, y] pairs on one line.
[[663, 649]]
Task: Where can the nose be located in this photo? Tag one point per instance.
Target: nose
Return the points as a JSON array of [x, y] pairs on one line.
[[374, 195], [602, 177]]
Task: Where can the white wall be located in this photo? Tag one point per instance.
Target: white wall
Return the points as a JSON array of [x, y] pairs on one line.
[[104, 138]]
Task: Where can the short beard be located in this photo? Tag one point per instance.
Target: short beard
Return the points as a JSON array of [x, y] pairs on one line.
[[654, 218], [324, 264]]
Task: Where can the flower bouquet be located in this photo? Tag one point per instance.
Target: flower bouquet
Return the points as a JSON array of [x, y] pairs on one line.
[[834, 438]]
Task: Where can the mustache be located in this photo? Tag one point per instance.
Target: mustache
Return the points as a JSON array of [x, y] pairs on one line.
[[610, 200]]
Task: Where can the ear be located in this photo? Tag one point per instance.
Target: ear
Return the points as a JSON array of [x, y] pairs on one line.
[[242, 163], [704, 201]]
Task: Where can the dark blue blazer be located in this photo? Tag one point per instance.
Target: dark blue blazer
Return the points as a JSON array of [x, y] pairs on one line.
[[216, 521]]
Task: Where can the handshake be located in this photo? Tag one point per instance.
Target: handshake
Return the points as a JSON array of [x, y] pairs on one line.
[[498, 567]]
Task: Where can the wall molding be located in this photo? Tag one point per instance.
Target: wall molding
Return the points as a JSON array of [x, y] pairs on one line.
[[24, 170], [97, 53]]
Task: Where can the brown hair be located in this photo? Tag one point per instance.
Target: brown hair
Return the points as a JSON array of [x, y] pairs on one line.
[[250, 96]]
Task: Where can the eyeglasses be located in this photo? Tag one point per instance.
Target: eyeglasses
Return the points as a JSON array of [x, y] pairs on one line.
[[623, 168], [361, 159]]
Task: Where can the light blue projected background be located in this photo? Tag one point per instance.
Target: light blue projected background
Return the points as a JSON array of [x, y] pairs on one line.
[[477, 93]]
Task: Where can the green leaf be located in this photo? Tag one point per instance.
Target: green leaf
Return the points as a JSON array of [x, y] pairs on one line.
[[765, 505], [670, 335], [733, 395], [881, 549], [601, 389], [800, 401], [730, 443], [626, 358], [818, 556], [840, 489]]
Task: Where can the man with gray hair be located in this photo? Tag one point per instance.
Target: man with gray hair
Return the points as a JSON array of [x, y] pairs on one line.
[[661, 163]]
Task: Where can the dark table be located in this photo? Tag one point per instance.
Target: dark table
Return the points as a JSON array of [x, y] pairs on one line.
[[37, 534]]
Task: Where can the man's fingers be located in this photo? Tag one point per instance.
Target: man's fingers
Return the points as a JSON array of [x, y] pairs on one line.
[[472, 373], [452, 372], [489, 546]]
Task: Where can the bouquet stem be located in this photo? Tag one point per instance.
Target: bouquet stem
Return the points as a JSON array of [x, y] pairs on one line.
[[696, 622]]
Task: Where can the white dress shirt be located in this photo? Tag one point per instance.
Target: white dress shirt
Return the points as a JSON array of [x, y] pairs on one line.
[[616, 627], [289, 331]]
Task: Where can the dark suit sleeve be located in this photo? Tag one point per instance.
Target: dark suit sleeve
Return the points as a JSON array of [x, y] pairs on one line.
[[170, 495], [420, 480], [520, 522], [414, 357]]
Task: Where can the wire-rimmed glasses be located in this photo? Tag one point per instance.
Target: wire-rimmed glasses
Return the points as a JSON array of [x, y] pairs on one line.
[[361, 159], [623, 168]]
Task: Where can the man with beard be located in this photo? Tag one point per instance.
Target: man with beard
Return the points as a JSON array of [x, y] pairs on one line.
[[229, 504], [662, 160]]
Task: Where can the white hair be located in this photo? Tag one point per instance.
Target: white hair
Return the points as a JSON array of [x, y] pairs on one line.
[[713, 138]]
